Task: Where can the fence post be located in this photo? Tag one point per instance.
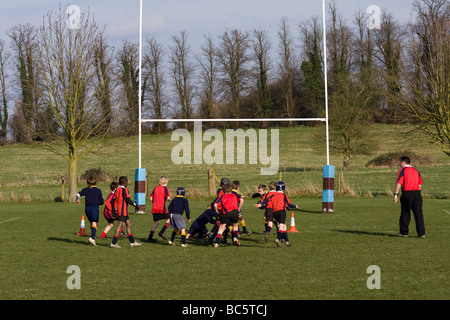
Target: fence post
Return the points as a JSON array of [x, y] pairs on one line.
[[211, 182]]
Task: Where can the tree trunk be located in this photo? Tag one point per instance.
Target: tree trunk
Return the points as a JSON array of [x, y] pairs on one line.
[[72, 178], [346, 162]]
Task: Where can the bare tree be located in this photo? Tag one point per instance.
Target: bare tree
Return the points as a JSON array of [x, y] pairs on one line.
[[183, 73], [24, 40], [129, 82], [208, 75], [340, 47], [153, 61], [312, 66], [104, 69], [4, 56], [363, 48], [425, 85], [388, 44], [287, 67], [348, 120], [233, 56], [261, 51], [68, 69]]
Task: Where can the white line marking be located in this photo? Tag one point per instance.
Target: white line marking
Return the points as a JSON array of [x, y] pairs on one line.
[[10, 220], [446, 211]]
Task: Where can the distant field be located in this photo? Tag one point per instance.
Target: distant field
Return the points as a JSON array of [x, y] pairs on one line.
[[30, 173], [328, 260]]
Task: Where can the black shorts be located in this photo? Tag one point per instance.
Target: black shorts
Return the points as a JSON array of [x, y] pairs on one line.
[[110, 221], [123, 218], [229, 218], [160, 216], [268, 214], [280, 216]]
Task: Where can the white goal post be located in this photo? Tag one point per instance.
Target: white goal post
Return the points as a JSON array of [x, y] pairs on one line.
[[326, 197]]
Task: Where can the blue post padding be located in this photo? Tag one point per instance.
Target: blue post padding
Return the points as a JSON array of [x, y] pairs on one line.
[[328, 196], [140, 174], [139, 198], [328, 171]]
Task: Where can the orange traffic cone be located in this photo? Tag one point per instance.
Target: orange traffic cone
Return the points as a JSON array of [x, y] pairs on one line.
[[292, 228], [82, 228]]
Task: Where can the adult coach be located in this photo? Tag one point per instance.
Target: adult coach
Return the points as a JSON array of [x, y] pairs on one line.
[[410, 181]]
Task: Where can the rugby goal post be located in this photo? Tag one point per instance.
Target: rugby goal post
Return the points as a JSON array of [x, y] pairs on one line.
[[328, 170]]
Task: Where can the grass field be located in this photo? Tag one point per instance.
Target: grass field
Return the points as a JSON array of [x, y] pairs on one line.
[[328, 259]]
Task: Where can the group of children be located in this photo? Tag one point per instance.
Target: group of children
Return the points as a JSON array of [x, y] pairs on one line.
[[225, 212]]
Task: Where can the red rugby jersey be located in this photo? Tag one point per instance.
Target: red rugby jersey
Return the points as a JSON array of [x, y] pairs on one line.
[[160, 195], [278, 201], [227, 203], [409, 178], [108, 212], [120, 201], [265, 201]]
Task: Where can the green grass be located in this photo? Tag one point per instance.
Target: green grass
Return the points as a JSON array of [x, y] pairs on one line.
[[328, 259]]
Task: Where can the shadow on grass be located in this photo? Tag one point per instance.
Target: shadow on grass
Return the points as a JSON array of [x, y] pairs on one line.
[[369, 233], [83, 242], [307, 211]]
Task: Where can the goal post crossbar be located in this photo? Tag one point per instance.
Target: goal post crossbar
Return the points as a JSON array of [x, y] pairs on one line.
[[237, 120]]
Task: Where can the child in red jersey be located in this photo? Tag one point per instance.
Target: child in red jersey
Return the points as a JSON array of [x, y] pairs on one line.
[[235, 186], [110, 211], [268, 212], [227, 210], [158, 197], [278, 202], [122, 200]]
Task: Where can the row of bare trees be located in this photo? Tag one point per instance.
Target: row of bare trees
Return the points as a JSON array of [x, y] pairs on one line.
[[70, 87]]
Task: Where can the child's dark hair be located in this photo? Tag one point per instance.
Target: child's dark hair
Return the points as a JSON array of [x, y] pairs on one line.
[[406, 159], [224, 181], [272, 185], [123, 180], [262, 187], [113, 185], [226, 188], [91, 181], [235, 184]]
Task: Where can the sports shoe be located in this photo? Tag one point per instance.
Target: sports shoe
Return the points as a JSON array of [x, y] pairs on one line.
[[266, 236], [249, 233], [402, 235], [171, 243], [162, 236], [216, 245], [92, 241], [278, 243], [422, 236], [288, 244], [114, 246], [184, 245], [236, 242], [135, 244]]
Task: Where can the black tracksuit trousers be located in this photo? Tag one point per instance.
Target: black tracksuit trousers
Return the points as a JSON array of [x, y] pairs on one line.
[[411, 200]]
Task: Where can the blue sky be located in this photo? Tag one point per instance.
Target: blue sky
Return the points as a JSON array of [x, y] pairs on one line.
[[164, 18]]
